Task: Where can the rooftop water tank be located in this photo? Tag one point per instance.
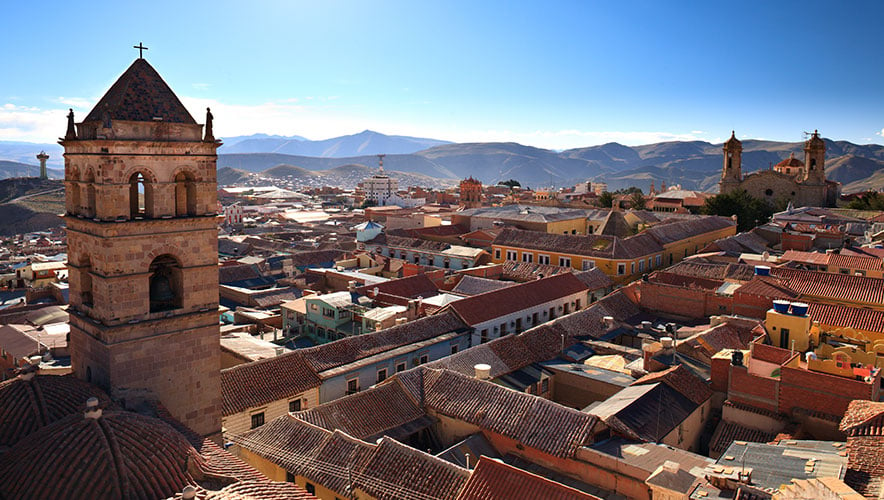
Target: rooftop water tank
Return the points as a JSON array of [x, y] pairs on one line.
[[781, 306]]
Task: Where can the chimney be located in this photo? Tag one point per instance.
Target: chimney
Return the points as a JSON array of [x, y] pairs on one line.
[[92, 409], [188, 493], [401, 321], [483, 371], [608, 322], [280, 350], [351, 286]]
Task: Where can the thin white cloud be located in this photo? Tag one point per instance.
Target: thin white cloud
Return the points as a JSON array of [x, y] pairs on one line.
[[76, 102], [881, 133]]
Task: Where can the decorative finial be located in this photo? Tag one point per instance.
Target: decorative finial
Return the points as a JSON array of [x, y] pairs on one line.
[[141, 48], [210, 137], [71, 133]]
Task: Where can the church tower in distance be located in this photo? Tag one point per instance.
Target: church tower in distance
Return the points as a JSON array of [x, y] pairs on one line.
[[140, 195], [815, 159], [732, 174]]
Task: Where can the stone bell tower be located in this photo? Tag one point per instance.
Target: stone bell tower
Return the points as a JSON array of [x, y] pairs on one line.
[[731, 172], [815, 159], [140, 184]]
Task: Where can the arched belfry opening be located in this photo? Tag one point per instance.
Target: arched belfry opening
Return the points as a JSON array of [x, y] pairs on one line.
[[86, 297], [165, 284], [140, 196], [185, 195]]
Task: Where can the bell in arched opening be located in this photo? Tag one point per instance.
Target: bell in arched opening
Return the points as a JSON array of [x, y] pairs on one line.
[[164, 295]]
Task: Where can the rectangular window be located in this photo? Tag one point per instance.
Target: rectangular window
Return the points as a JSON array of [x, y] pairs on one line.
[[295, 405], [484, 336], [454, 348], [565, 261], [544, 386], [328, 312], [527, 257], [289, 477], [310, 488], [641, 266], [497, 253], [382, 375], [621, 268], [400, 367], [314, 307], [257, 420], [511, 255], [632, 268], [424, 359], [542, 259], [353, 386], [588, 264], [658, 260]]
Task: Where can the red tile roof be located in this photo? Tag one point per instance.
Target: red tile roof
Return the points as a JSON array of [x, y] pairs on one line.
[[845, 316], [670, 232], [682, 380], [118, 455], [260, 490], [28, 405], [864, 424], [763, 286], [816, 258], [396, 471], [728, 432], [532, 421], [856, 262], [495, 304], [495, 480], [410, 287], [260, 382], [833, 286]]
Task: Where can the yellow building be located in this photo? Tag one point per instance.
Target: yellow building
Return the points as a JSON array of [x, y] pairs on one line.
[[623, 259], [252, 417]]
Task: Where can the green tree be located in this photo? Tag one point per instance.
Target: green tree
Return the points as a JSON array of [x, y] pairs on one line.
[[749, 210], [512, 183], [605, 200], [629, 190], [637, 200], [868, 201]]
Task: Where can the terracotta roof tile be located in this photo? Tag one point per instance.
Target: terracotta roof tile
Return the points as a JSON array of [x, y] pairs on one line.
[[495, 480], [833, 286], [845, 316], [682, 380], [728, 432], [260, 382], [669, 232], [118, 455], [396, 471], [410, 287], [487, 306], [527, 271], [28, 405]]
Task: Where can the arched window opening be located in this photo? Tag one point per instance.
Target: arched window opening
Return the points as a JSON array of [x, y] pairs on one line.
[[89, 191], [140, 196], [812, 163], [165, 284], [73, 187], [88, 374], [185, 195]]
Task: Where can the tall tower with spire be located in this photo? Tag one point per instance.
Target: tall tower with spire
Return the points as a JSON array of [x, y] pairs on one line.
[[731, 173], [140, 182]]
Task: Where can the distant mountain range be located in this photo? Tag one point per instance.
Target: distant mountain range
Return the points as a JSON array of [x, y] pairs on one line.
[[694, 164], [363, 143]]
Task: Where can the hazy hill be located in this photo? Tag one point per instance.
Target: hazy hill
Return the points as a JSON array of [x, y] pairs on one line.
[[364, 143], [26, 152], [15, 169], [345, 176], [30, 204]]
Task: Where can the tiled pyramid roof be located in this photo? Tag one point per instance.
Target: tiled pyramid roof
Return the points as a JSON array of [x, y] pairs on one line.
[[141, 95]]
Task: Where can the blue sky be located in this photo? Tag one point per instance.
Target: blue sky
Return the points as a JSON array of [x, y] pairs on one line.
[[547, 74]]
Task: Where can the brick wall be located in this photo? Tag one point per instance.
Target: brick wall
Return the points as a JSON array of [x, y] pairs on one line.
[[759, 392], [821, 392]]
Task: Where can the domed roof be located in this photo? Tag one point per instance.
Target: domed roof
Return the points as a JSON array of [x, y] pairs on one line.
[[733, 141], [30, 402], [110, 454], [791, 161]]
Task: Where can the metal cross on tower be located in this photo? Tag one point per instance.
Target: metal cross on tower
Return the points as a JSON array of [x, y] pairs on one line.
[[141, 48]]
